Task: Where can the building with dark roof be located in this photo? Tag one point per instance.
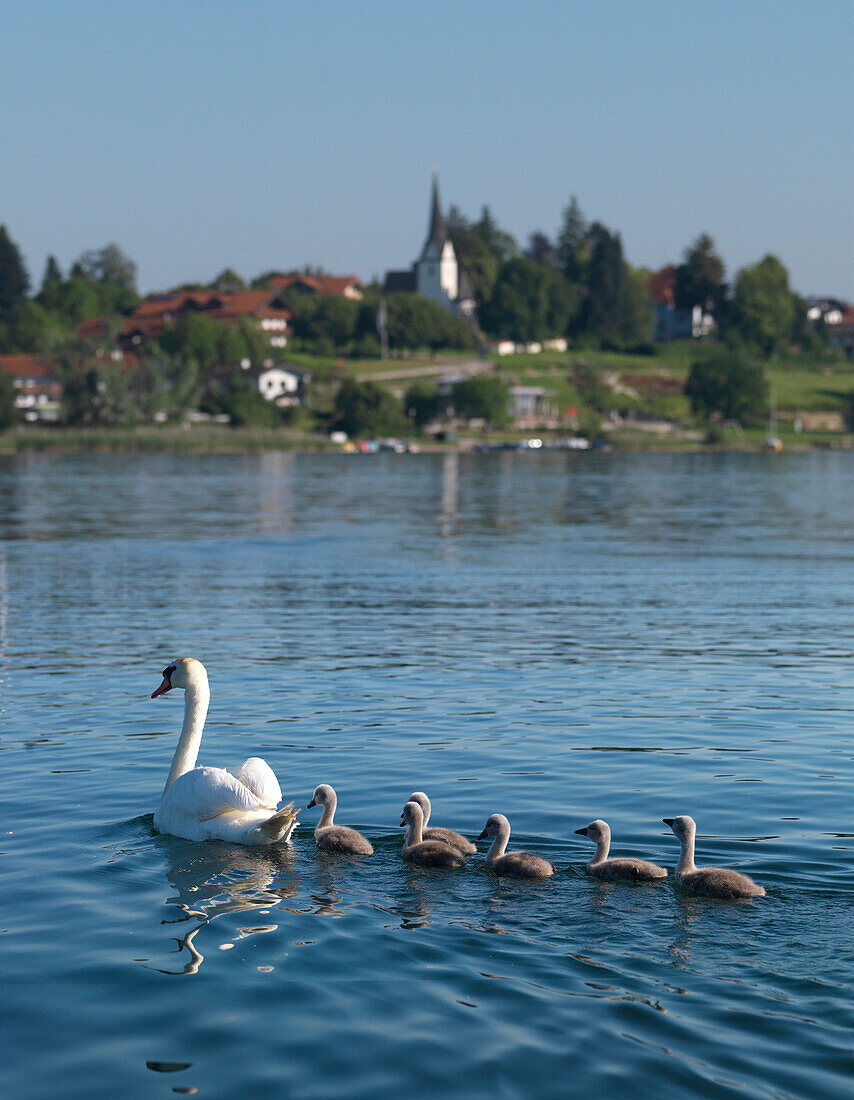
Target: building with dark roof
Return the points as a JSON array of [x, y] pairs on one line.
[[436, 274]]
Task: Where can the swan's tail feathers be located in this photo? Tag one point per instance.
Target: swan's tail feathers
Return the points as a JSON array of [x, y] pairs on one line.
[[280, 826]]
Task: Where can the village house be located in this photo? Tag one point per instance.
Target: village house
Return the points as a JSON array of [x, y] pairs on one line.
[[672, 323], [343, 286], [841, 334], [159, 311], [38, 392], [281, 383]]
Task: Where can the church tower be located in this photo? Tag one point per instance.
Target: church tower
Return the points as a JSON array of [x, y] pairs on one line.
[[436, 270], [436, 274]]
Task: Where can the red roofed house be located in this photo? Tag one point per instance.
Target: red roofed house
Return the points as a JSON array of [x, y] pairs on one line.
[[841, 335], [672, 323], [342, 286], [39, 393], [153, 316]]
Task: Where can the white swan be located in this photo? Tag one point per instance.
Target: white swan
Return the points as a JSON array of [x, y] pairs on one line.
[[714, 882], [235, 804], [336, 838], [447, 836], [625, 867], [517, 864], [429, 853]]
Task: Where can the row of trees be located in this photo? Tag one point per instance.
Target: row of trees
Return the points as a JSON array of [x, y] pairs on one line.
[[577, 284], [367, 408], [580, 285]]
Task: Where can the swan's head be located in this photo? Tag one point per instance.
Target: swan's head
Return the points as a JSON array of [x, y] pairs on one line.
[[421, 798], [180, 674], [597, 831], [323, 796], [495, 826], [412, 813], [682, 826]]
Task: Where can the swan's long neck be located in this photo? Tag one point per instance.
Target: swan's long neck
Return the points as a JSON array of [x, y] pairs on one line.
[[197, 697], [498, 845], [424, 802], [414, 834], [328, 811], [686, 856], [603, 846]]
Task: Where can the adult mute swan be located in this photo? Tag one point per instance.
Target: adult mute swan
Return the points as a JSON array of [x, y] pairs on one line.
[[332, 837], [714, 882], [447, 836], [235, 804], [618, 867], [518, 864]]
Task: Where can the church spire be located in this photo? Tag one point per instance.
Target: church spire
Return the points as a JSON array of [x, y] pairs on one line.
[[437, 233]]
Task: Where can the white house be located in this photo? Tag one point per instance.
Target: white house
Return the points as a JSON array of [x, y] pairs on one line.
[[280, 384]]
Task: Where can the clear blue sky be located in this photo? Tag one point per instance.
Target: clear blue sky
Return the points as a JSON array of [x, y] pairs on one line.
[[275, 133]]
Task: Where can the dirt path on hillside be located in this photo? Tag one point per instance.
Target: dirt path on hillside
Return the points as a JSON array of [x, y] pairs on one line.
[[468, 366]]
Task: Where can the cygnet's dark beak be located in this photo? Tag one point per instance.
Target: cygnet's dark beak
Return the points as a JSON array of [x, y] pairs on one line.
[[482, 835], [312, 803], [402, 823], [582, 832], [668, 821]]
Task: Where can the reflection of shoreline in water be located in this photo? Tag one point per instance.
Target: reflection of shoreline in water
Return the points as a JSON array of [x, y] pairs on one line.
[[215, 879]]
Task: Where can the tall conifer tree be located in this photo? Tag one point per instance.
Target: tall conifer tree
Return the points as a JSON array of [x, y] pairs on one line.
[[14, 280]]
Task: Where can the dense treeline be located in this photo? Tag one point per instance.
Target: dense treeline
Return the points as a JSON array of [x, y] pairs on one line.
[[577, 285]]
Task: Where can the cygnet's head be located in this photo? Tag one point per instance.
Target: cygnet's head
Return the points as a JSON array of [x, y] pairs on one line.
[[682, 826], [421, 798], [596, 831], [179, 673], [495, 824], [322, 796], [412, 812]]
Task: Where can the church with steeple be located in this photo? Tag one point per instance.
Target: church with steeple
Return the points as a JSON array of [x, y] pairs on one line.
[[436, 274]]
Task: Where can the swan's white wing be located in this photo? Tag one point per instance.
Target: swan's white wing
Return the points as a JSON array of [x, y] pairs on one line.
[[258, 776], [204, 793]]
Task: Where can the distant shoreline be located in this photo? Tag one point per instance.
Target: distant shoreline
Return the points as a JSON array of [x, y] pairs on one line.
[[216, 439]]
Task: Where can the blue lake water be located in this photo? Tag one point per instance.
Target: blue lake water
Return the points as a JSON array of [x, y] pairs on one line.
[[554, 637]]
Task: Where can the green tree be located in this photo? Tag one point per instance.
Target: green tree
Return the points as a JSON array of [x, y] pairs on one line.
[[541, 249], [228, 282], [415, 322], [326, 320], [700, 277], [52, 272], [9, 415], [531, 301], [728, 384], [763, 311], [14, 280], [483, 397], [422, 403], [499, 243], [108, 265], [31, 328], [573, 243], [638, 311], [366, 408], [100, 393], [602, 311], [245, 405], [481, 265]]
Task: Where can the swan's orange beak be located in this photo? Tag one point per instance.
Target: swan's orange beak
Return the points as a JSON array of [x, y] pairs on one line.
[[164, 687]]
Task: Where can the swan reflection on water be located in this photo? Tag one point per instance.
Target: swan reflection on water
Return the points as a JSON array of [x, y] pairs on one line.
[[213, 880]]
